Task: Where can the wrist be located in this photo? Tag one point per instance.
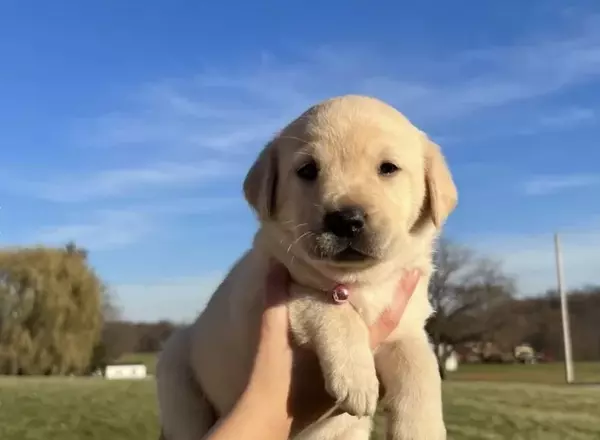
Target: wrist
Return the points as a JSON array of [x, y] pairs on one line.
[[268, 409]]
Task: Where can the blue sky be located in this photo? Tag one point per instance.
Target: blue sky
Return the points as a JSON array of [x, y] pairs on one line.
[[129, 126]]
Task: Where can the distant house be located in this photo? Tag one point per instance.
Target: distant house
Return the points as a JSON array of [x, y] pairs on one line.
[[484, 352], [125, 371], [452, 362], [452, 357], [525, 354]]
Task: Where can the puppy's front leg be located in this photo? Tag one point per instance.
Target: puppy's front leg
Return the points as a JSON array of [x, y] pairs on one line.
[[340, 339], [408, 370]]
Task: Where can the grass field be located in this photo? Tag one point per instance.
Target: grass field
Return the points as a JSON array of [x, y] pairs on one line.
[[554, 373], [501, 408], [585, 372]]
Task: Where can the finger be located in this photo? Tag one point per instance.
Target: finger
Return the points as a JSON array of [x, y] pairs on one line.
[[274, 323], [277, 283], [308, 398]]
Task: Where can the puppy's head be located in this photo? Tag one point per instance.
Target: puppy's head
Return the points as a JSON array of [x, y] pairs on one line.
[[350, 183]]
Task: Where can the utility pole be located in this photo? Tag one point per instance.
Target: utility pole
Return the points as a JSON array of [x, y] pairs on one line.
[[564, 311]]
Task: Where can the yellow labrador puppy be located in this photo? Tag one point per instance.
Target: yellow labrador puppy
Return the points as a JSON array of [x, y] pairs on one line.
[[350, 193]]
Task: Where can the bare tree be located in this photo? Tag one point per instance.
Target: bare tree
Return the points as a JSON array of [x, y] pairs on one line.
[[537, 321], [110, 310], [470, 295]]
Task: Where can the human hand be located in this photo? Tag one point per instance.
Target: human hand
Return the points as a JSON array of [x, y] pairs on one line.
[[288, 378]]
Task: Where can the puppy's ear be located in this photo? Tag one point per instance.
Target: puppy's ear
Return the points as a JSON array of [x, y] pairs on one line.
[[442, 192], [260, 184]]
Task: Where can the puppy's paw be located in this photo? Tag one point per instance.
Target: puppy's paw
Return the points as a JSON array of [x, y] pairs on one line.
[[355, 386]]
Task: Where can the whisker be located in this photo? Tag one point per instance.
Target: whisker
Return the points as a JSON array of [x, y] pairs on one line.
[[294, 138], [297, 240], [301, 225]]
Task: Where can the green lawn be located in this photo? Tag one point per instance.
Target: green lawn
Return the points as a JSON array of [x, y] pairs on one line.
[[554, 373], [585, 372], [77, 409], [86, 409]]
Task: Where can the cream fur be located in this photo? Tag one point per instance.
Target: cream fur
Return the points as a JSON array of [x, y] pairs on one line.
[[204, 368]]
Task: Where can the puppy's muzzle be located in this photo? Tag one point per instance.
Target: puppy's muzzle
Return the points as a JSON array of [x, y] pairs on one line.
[[345, 223], [344, 235]]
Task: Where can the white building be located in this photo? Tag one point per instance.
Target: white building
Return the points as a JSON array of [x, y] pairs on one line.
[[451, 360], [125, 371]]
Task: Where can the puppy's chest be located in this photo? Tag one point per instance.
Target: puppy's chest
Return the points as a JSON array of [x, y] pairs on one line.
[[371, 301]]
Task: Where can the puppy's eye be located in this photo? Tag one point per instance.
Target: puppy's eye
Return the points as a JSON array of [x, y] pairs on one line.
[[388, 168], [309, 171]]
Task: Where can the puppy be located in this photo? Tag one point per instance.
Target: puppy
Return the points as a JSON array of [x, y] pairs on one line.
[[349, 193]]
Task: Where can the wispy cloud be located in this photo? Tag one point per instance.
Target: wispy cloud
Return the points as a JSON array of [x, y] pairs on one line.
[[526, 124], [110, 229], [232, 110], [569, 117], [531, 257], [119, 182], [177, 299], [549, 184], [564, 119], [201, 112], [195, 129], [105, 230], [189, 206]]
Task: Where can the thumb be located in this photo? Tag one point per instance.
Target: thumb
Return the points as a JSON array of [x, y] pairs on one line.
[[275, 316], [277, 284]]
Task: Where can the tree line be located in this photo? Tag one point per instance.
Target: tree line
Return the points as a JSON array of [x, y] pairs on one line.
[[124, 337], [57, 316], [477, 302]]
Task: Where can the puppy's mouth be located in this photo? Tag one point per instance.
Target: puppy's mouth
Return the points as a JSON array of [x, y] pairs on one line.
[[340, 250], [351, 255]]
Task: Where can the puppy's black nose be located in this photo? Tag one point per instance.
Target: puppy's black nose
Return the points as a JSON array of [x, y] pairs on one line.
[[347, 222]]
